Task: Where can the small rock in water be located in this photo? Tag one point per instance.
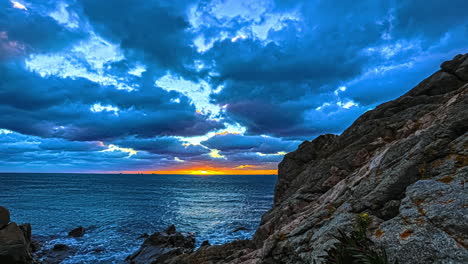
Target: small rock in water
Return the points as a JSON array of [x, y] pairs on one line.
[[239, 229], [171, 230], [60, 247], [77, 232], [4, 216]]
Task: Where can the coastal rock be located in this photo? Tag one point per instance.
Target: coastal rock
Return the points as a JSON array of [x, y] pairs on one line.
[[431, 211], [404, 165], [205, 243], [162, 246], [4, 217], [60, 247], [55, 255], [226, 253], [77, 232], [14, 246]]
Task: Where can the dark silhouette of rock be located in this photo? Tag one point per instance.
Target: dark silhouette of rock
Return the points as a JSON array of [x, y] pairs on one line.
[[57, 254], [239, 229], [60, 247], [14, 242], [205, 243], [404, 165], [162, 246], [4, 217], [77, 232], [171, 230]]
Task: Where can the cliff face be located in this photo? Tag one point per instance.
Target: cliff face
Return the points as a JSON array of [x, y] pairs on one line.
[[405, 164]]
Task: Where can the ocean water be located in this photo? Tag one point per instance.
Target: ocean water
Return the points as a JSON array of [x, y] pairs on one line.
[[117, 209]]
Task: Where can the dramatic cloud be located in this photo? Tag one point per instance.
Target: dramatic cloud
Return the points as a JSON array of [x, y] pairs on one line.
[[149, 85]]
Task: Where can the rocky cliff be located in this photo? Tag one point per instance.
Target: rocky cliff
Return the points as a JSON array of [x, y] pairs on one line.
[[403, 164]]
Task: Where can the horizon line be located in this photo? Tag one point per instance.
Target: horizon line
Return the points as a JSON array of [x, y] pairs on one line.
[[136, 173]]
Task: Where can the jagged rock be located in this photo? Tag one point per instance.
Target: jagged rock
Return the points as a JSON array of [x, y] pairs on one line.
[[171, 230], [205, 243], [405, 163], [421, 135], [162, 246], [4, 217], [60, 247], [14, 246], [57, 254], [215, 254], [77, 232], [434, 212]]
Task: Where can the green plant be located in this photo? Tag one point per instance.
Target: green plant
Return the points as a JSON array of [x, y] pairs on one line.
[[356, 247]]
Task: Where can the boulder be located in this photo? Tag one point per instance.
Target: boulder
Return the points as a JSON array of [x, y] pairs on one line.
[[14, 246], [55, 255], [205, 243], [60, 247], [77, 232], [171, 230], [162, 246], [4, 217]]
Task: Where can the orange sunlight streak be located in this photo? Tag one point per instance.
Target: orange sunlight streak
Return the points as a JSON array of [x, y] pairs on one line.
[[240, 170]]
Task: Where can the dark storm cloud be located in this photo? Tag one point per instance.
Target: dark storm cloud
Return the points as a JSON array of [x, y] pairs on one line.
[[263, 144], [163, 145], [332, 45], [56, 107], [31, 31], [155, 31], [64, 145]]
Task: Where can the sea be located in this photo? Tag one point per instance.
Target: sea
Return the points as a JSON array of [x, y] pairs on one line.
[[116, 209]]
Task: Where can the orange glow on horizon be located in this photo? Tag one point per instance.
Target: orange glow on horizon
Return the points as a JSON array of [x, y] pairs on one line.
[[211, 171]]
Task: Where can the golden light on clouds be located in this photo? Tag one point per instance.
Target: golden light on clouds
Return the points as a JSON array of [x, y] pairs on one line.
[[245, 166], [112, 148], [214, 153]]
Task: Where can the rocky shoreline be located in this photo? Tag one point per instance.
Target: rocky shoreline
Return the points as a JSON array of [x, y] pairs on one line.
[[394, 184]]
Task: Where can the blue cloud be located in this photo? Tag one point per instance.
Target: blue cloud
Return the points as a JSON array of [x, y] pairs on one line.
[[128, 85]]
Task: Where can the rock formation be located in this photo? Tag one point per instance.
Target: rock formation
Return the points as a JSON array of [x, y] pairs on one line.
[[15, 241], [4, 217], [77, 232], [403, 164], [162, 246]]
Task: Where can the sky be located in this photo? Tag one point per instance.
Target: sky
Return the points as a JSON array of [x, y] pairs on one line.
[[203, 87]]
